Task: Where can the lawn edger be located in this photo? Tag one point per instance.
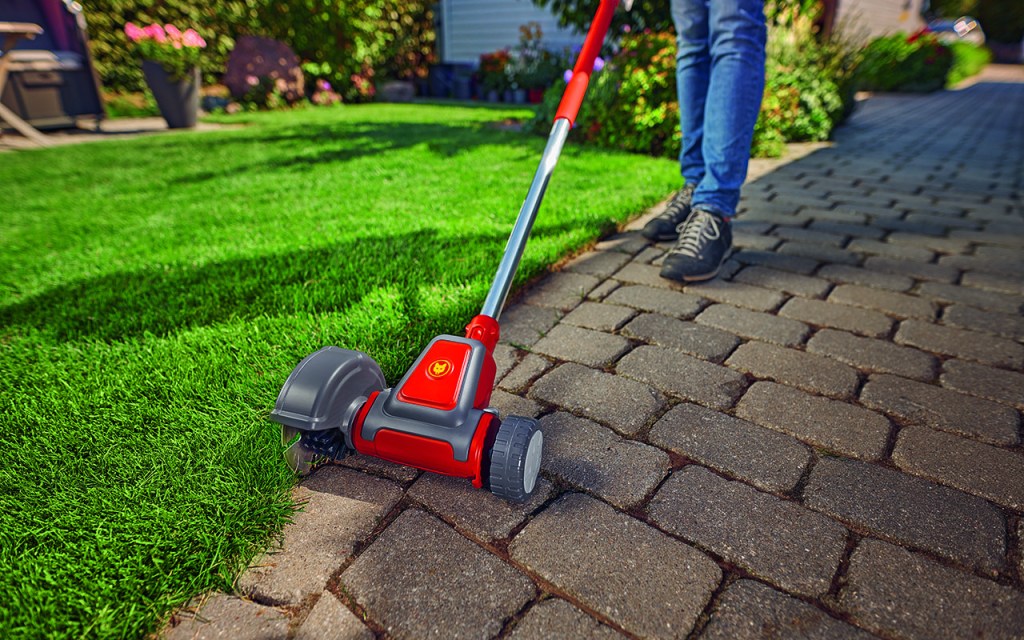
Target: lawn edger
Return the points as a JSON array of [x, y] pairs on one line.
[[437, 418]]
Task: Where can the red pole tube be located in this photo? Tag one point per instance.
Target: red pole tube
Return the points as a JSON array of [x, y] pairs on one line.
[[577, 87]]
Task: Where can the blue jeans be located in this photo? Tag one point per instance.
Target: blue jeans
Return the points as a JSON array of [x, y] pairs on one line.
[[720, 79]]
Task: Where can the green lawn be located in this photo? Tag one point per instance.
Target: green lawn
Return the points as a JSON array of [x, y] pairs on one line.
[[155, 293]]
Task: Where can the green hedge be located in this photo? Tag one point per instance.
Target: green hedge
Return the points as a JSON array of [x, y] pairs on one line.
[[899, 62], [350, 43], [968, 60]]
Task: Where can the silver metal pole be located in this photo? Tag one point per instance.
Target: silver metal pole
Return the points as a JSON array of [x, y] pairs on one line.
[[527, 214]]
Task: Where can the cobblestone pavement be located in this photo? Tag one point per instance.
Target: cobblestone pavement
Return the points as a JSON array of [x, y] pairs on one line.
[[825, 442]]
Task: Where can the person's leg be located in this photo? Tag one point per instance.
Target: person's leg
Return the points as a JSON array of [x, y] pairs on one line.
[[737, 51], [693, 65]]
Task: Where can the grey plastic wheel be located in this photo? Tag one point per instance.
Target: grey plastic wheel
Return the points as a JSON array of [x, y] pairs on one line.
[[318, 403], [515, 458]]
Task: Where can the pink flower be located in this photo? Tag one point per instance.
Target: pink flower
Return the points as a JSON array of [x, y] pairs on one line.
[[598, 63], [156, 32], [252, 81], [192, 39], [567, 76], [134, 32], [323, 85], [173, 32]]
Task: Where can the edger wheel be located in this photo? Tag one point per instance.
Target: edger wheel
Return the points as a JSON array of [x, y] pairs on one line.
[[515, 458]]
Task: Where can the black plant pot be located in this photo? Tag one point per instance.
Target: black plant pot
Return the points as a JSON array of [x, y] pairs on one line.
[[178, 99]]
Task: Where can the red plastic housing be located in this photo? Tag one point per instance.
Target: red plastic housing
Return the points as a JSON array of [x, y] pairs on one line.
[[439, 378], [572, 98], [426, 453]]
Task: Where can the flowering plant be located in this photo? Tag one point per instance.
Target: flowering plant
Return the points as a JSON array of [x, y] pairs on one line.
[[177, 51]]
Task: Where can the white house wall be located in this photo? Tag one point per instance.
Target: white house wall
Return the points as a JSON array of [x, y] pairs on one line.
[[863, 19], [469, 28]]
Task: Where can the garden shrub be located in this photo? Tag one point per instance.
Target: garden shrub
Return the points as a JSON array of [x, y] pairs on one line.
[[968, 60], [350, 43], [899, 62]]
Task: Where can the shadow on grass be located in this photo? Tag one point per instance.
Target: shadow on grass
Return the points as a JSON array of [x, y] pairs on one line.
[[341, 142], [164, 300]]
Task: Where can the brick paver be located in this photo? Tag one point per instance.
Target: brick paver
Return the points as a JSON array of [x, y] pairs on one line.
[[679, 495], [774, 539], [636, 576]]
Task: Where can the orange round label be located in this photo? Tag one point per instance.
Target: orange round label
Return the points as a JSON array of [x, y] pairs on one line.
[[439, 368]]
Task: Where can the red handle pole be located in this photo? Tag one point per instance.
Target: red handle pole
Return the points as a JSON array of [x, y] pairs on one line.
[[577, 87]]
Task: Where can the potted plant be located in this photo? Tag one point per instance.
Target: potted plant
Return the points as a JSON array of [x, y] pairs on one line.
[[493, 74], [170, 63]]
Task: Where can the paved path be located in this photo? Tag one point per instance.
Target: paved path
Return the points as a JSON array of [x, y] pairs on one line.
[[823, 443]]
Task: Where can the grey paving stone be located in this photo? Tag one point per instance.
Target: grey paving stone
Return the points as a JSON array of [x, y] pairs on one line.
[[785, 281], [832, 215], [529, 369], [918, 270], [759, 242], [645, 274], [795, 264], [988, 300], [378, 467], [505, 357], [562, 291], [901, 594], [594, 459], [766, 459], [525, 324], [993, 282], [603, 290], [513, 404], [630, 242], [396, 580], [941, 409], [624, 405], [866, 277], [649, 255], [941, 245], [945, 221], [554, 616], [643, 580], [222, 616], [342, 507], [1000, 385], [879, 356], [832, 425], [900, 305], [847, 229], [822, 253], [749, 610], [989, 237], [897, 251], [599, 316], [1005, 254], [668, 303], [738, 294], [800, 369], [909, 511], [682, 376], [983, 264], [809, 235], [330, 620], [838, 316], [1000, 324], [755, 325], [477, 511], [780, 541], [969, 345], [980, 469], [697, 340], [598, 263], [592, 348]]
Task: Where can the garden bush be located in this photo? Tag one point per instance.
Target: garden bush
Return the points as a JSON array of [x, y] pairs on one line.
[[899, 62], [350, 43], [968, 60]]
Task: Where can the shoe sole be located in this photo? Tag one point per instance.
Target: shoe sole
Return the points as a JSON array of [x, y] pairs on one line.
[[662, 238], [697, 278]]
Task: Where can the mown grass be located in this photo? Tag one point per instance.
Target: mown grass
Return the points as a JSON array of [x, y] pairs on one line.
[[155, 293]]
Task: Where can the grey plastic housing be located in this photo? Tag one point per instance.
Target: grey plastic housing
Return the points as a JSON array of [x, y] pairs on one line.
[[326, 389], [456, 427]]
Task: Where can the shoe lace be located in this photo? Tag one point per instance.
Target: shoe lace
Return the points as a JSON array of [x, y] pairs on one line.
[[678, 206], [700, 225]]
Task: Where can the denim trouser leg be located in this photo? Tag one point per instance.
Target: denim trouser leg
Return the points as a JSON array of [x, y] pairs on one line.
[[720, 79]]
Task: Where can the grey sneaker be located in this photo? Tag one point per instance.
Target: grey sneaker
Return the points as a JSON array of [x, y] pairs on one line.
[[663, 227], [704, 240]]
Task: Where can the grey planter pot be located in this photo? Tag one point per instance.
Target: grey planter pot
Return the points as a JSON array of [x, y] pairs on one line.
[[178, 100]]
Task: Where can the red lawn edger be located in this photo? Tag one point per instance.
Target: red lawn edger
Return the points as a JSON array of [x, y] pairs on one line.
[[438, 417]]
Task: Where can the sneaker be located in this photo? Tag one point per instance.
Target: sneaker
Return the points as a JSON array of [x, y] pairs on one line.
[[704, 240], [663, 228]]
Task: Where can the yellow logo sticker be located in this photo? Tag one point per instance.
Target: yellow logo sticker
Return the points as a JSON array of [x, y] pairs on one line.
[[439, 368]]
